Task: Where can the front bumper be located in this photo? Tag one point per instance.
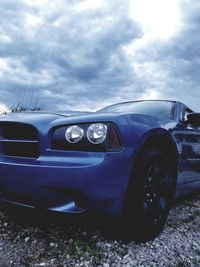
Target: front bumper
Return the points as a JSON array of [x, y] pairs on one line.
[[71, 182]]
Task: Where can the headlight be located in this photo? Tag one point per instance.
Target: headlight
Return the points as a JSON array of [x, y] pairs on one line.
[[97, 133], [95, 136], [74, 134]]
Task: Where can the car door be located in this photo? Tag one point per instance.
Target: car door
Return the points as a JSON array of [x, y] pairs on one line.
[[187, 139], [190, 154]]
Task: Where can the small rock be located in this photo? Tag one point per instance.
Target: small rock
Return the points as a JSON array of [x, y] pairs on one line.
[[126, 257], [26, 239]]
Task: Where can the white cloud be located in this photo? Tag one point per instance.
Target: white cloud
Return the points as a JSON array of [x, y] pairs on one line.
[[159, 19], [86, 54], [88, 5], [33, 21], [13, 70]]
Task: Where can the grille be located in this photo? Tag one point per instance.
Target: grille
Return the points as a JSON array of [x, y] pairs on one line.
[[18, 140]]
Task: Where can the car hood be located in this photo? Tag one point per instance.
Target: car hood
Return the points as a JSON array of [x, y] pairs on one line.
[[39, 114], [50, 119], [36, 116], [46, 120]]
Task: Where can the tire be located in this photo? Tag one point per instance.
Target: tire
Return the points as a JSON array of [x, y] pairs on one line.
[[149, 195]]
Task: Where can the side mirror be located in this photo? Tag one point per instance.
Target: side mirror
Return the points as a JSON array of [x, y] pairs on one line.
[[194, 119]]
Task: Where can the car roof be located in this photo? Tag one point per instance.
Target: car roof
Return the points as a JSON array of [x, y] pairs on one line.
[[149, 100]]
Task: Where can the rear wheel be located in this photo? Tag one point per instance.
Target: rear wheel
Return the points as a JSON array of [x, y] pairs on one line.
[[149, 196]]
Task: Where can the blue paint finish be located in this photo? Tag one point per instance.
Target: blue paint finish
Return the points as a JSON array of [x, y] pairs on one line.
[[78, 181]]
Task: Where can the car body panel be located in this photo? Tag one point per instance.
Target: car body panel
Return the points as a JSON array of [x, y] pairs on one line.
[[79, 181]]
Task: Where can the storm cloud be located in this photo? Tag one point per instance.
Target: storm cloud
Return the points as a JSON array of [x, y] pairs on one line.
[[88, 54]]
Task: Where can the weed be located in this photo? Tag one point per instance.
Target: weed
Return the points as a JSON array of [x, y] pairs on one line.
[[82, 248]]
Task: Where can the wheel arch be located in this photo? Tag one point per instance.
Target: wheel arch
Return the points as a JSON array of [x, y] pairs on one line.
[[161, 139]]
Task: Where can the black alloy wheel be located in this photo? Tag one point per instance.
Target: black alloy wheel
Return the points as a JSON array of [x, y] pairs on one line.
[[149, 195], [156, 192]]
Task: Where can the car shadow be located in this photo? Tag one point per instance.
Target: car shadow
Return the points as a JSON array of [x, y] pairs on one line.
[[41, 223]]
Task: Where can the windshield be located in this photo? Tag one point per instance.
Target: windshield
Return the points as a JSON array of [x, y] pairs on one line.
[[160, 109]]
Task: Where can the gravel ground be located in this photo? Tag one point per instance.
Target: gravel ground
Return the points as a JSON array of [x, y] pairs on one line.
[[29, 240]]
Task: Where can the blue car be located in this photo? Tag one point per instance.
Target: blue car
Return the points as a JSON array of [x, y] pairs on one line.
[[128, 160]]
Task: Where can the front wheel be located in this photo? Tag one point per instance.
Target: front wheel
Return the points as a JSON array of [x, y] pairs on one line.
[[150, 195]]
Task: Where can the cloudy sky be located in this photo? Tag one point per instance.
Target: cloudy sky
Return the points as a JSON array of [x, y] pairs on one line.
[[85, 54]]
